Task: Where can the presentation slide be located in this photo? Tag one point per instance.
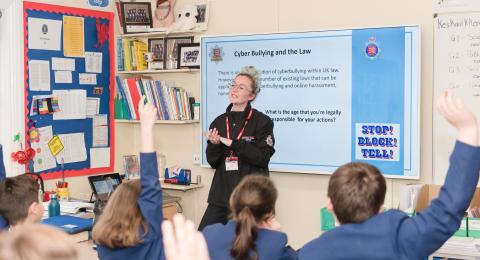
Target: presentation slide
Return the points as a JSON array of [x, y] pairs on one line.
[[334, 96]]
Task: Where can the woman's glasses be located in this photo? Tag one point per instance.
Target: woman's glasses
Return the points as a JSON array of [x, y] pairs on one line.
[[240, 87]]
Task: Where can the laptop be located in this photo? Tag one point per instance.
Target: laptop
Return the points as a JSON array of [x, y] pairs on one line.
[[104, 185]]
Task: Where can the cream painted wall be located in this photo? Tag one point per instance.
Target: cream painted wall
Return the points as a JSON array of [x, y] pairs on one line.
[[301, 195]]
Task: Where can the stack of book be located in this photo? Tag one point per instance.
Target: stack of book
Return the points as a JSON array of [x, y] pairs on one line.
[[131, 55], [172, 103]]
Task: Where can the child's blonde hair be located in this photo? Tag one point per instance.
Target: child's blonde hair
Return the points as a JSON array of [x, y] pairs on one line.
[[36, 242], [121, 219]]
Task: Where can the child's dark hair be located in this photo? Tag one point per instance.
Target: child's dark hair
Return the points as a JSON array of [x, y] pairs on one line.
[[357, 191], [252, 201], [16, 196]]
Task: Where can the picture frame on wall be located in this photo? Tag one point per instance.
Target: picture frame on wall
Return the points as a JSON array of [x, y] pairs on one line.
[[202, 17], [171, 55], [157, 47], [188, 56], [136, 16]]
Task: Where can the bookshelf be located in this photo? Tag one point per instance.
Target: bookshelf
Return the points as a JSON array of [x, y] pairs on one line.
[[182, 103], [158, 34], [156, 71]]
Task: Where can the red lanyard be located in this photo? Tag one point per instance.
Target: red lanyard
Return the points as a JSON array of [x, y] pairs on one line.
[[227, 121]]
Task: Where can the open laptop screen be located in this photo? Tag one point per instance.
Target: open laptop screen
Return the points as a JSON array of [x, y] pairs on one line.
[[103, 185]]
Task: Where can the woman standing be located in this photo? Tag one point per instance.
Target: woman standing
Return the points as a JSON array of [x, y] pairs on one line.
[[240, 142]]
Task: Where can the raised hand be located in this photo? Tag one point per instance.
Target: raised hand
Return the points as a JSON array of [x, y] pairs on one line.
[[183, 243], [459, 116], [148, 115]]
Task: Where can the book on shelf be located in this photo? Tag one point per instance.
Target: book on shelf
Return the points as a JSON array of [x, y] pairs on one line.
[[172, 102], [119, 14], [140, 49], [120, 61]]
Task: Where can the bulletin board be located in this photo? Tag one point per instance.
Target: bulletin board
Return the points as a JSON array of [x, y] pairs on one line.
[[334, 96], [73, 92]]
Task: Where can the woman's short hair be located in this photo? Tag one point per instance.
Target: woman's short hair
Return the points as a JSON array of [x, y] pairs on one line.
[[254, 75]]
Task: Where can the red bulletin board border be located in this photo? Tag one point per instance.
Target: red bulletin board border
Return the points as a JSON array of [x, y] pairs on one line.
[[85, 13]]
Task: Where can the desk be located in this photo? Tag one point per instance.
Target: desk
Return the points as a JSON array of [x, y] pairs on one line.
[[190, 197], [466, 248], [168, 186]]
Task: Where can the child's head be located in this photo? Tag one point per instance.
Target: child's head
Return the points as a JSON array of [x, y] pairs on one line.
[[121, 218], [36, 242], [19, 200], [356, 192], [252, 202]]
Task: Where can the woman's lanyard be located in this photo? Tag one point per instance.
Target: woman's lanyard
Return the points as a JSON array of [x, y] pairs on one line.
[[240, 134]]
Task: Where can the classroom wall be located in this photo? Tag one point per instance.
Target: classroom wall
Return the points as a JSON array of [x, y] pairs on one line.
[[300, 195]]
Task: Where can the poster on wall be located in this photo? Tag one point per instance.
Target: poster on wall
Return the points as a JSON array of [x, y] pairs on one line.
[[334, 96], [451, 6], [456, 67]]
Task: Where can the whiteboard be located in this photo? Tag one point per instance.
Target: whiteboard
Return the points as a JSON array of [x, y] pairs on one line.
[[334, 96], [457, 67]]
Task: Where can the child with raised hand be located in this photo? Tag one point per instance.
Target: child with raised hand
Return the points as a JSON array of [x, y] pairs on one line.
[[253, 233], [356, 194], [130, 225]]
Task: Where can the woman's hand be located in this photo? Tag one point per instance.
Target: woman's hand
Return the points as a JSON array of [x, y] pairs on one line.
[[213, 136], [225, 141]]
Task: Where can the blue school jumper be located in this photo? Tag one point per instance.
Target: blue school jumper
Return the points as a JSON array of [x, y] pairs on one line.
[[271, 245], [3, 175], [150, 203], [394, 235]]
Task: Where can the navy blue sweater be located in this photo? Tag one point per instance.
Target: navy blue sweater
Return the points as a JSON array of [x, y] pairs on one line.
[[3, 174], [394, 235], [150, 203], [271, 245]]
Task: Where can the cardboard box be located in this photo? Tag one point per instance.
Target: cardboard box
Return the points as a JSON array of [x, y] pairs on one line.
[[429, 192], [468, 227]]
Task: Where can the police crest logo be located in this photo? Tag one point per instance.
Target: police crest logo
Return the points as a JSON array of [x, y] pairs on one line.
[[269, 140], [216, 54], [372, 49]]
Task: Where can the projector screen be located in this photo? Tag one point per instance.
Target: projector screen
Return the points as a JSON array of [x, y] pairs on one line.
[[334, 96]]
